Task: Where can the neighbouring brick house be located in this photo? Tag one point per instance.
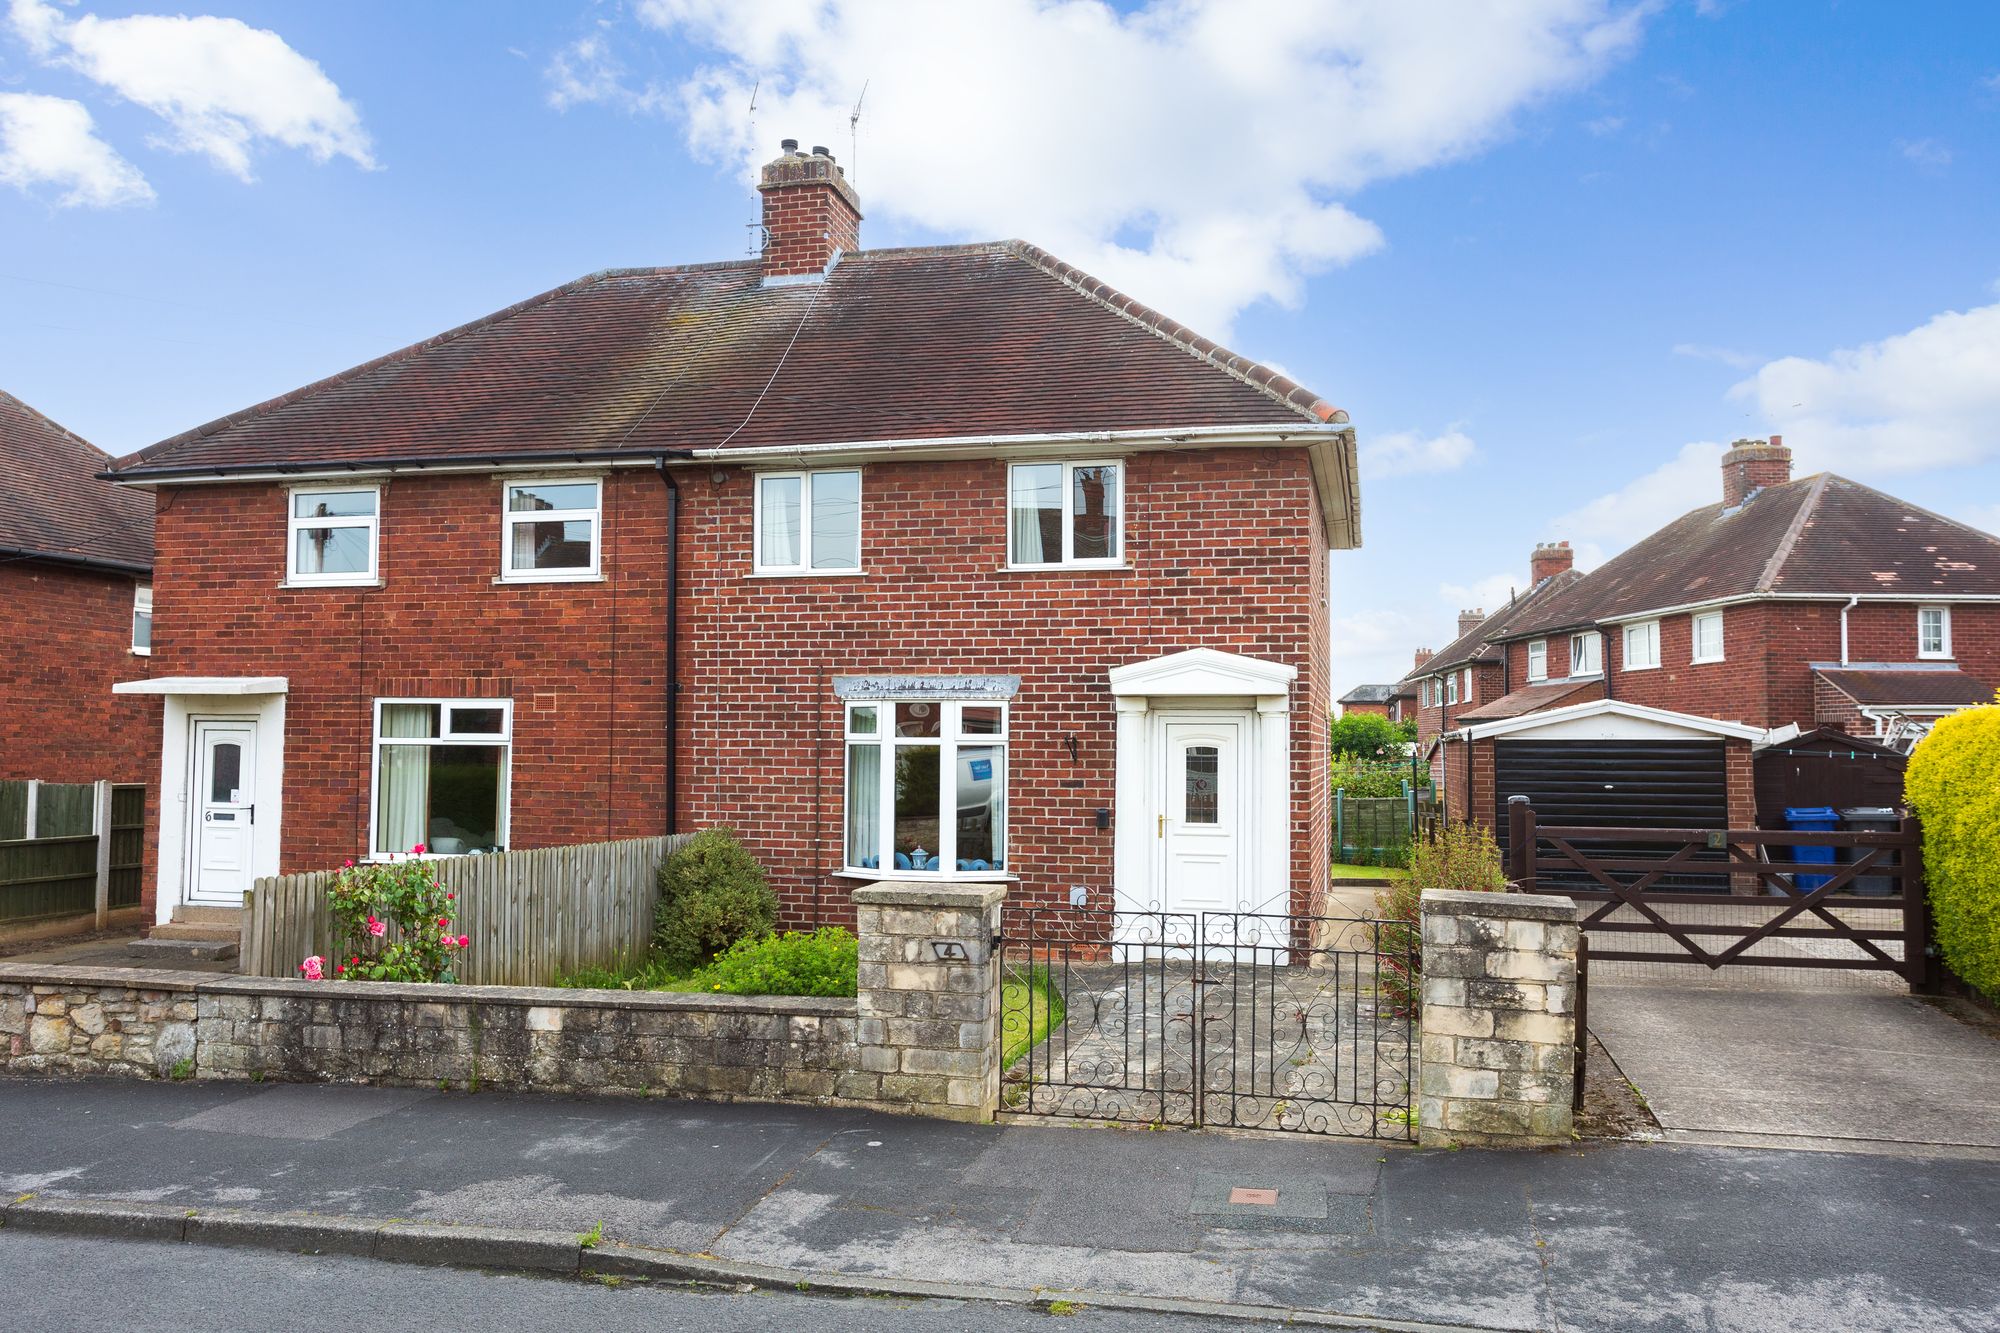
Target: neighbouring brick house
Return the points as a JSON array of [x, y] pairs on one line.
[[933, 562], [1789, 603], [76, 561], [1376, 700]]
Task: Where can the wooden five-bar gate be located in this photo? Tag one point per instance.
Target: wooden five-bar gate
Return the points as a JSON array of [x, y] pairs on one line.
[[1735, 897]]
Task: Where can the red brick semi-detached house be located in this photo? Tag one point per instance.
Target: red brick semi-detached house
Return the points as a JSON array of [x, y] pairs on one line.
[[1786, 606], [941, 562]]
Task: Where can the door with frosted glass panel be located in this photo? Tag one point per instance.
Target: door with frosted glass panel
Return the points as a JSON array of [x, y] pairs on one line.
[[1201, 815], [223, 811]]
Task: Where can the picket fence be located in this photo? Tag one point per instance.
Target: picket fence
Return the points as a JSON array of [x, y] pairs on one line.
[[531, 915]]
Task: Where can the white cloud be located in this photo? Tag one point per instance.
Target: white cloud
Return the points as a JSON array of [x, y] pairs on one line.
[[1378, 645], [1402, 453], [1927, 398], [1605, 126], [587, 70], [1487, 594], [222, 86], [1728, 356], [1926, 153], [1691, 479], [1195, 152], [50, 141]]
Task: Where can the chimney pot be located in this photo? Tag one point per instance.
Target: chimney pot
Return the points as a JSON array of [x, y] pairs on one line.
[[819, 150], [811, 213], [789, 145], [1548, 560], [1754, 465]]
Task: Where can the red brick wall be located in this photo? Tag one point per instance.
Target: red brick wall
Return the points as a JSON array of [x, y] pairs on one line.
[[581, 661], [67, 638], [1370, 708], [1227, 555]]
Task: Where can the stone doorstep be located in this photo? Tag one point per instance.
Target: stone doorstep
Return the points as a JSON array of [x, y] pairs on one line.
[[196, 948]]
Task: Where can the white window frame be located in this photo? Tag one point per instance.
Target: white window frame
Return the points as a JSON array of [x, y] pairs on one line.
[[295, 524], [1694, 638], [1068, 561], [1538, 660], [445, 736], [509, 519], [805, 480], [142, 605], [1649, 632], [1451, 689], [950, 739], [1943, 652], [1467, 693], [1579, 643]]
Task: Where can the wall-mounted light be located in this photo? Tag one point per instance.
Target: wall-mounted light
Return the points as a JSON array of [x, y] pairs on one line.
[[1070, 744]]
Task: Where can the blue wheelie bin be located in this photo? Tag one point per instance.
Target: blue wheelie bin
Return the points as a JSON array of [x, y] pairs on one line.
[[1811, 819]]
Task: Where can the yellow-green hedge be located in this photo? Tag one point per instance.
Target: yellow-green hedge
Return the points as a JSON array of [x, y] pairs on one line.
[[1953, 783]]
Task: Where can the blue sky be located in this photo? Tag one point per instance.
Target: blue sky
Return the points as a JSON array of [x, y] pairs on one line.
[[1551, 260]]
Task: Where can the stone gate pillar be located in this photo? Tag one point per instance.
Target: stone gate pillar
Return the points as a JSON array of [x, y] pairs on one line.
[[928, 1029]]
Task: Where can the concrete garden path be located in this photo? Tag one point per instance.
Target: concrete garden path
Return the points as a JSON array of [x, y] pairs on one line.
[[1860, 1067], [1604, 1237]]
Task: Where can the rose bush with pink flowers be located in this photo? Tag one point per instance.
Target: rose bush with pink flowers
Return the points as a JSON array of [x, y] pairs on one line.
[[367, 900]]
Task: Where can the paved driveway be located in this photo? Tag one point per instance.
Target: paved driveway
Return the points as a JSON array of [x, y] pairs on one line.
[[1865, 1068]]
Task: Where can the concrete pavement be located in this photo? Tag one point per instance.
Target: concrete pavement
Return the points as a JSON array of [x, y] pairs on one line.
[[1611, 1237]]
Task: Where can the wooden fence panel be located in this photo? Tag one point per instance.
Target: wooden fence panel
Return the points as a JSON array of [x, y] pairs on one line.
[[47, 877], [65, 809], [13, 809], [529, 915], [128, 843]]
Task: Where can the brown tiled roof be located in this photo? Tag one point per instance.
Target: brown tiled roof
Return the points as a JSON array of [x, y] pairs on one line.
[[1535, 698], [1477, 643], [995, 338], [1909, 687], [53, 505], [1821, 534]]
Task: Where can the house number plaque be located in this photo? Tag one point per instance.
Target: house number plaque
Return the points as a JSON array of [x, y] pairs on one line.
[[950, 951]]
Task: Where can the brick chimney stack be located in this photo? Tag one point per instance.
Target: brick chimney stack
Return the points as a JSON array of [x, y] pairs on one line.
[[1470, 620], [811, 213], [1549, 559], [1423, 655], [1753, 465]]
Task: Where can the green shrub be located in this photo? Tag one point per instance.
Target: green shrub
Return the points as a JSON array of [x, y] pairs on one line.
[[1369, 736], [1953, 783], [712, 894], [1457, 856], [794, 963]]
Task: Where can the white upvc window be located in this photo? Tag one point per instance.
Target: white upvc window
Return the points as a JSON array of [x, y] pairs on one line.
[[926, 790], [552, 530], [1065, 514], [1538, 659], [1586, 653], [442, 777], [1707, 634], [1451, 689], [1933, 631], [808, 522], [1466, 693], [332, 534], [1642, 646], [142, 619]]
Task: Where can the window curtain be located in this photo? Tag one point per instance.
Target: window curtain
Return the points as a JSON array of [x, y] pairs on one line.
[[402, 791], [1037, 505], [864, 805], [782, 502]]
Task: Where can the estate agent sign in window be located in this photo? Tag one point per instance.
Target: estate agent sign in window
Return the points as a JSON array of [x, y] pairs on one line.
[[441, 775], [808, 521], [553, 531], [926, 786], [1066, 514]]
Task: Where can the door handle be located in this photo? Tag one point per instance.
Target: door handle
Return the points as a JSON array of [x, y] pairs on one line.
[[1162, 831]]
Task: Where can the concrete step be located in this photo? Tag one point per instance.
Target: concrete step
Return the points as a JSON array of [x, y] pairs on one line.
[[169, 951], [208, 916], [195, 930]]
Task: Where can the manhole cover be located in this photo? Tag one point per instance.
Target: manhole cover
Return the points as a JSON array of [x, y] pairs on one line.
[[1262, 1198]]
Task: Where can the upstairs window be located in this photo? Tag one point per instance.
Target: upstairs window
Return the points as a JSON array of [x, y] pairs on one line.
[[332, 535], [1065, 514], [1586, 654], [1451, 688], [1707, 632], [553, 531], [1642, 645], [1933, 631], [1538, 659], [926, 786], [142, 619], [808, 521], [1467, 693]]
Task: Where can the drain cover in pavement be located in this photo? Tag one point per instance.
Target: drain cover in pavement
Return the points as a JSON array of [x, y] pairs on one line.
[[1274, 1204]]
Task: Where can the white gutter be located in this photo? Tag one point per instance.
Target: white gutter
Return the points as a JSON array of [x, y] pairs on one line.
[[1852, 602], [361, 472], [1936, 598], [1067, 441]]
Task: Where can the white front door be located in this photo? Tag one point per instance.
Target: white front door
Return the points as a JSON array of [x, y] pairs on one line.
[[223, 813], [1203, 810]]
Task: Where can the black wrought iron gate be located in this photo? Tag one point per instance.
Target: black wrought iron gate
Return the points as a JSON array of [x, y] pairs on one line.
[[1246, 1019]]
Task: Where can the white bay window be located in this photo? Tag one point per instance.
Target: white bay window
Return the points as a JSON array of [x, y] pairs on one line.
[[926, 786]]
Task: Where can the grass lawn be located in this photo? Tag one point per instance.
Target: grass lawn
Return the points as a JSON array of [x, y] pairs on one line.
[[1027, 996], [1341, 870]]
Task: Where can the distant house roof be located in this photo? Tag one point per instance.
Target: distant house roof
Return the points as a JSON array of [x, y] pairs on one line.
[[990, 340], [1369, 694], [1906, 686], [1534, 698], [1821, 534], [52, 504], [1476, 644]]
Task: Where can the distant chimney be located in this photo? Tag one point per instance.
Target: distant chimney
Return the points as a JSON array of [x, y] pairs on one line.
[[1753, 465], [811, 213], [1549, 559], [1423, 656], [1468, 621]]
